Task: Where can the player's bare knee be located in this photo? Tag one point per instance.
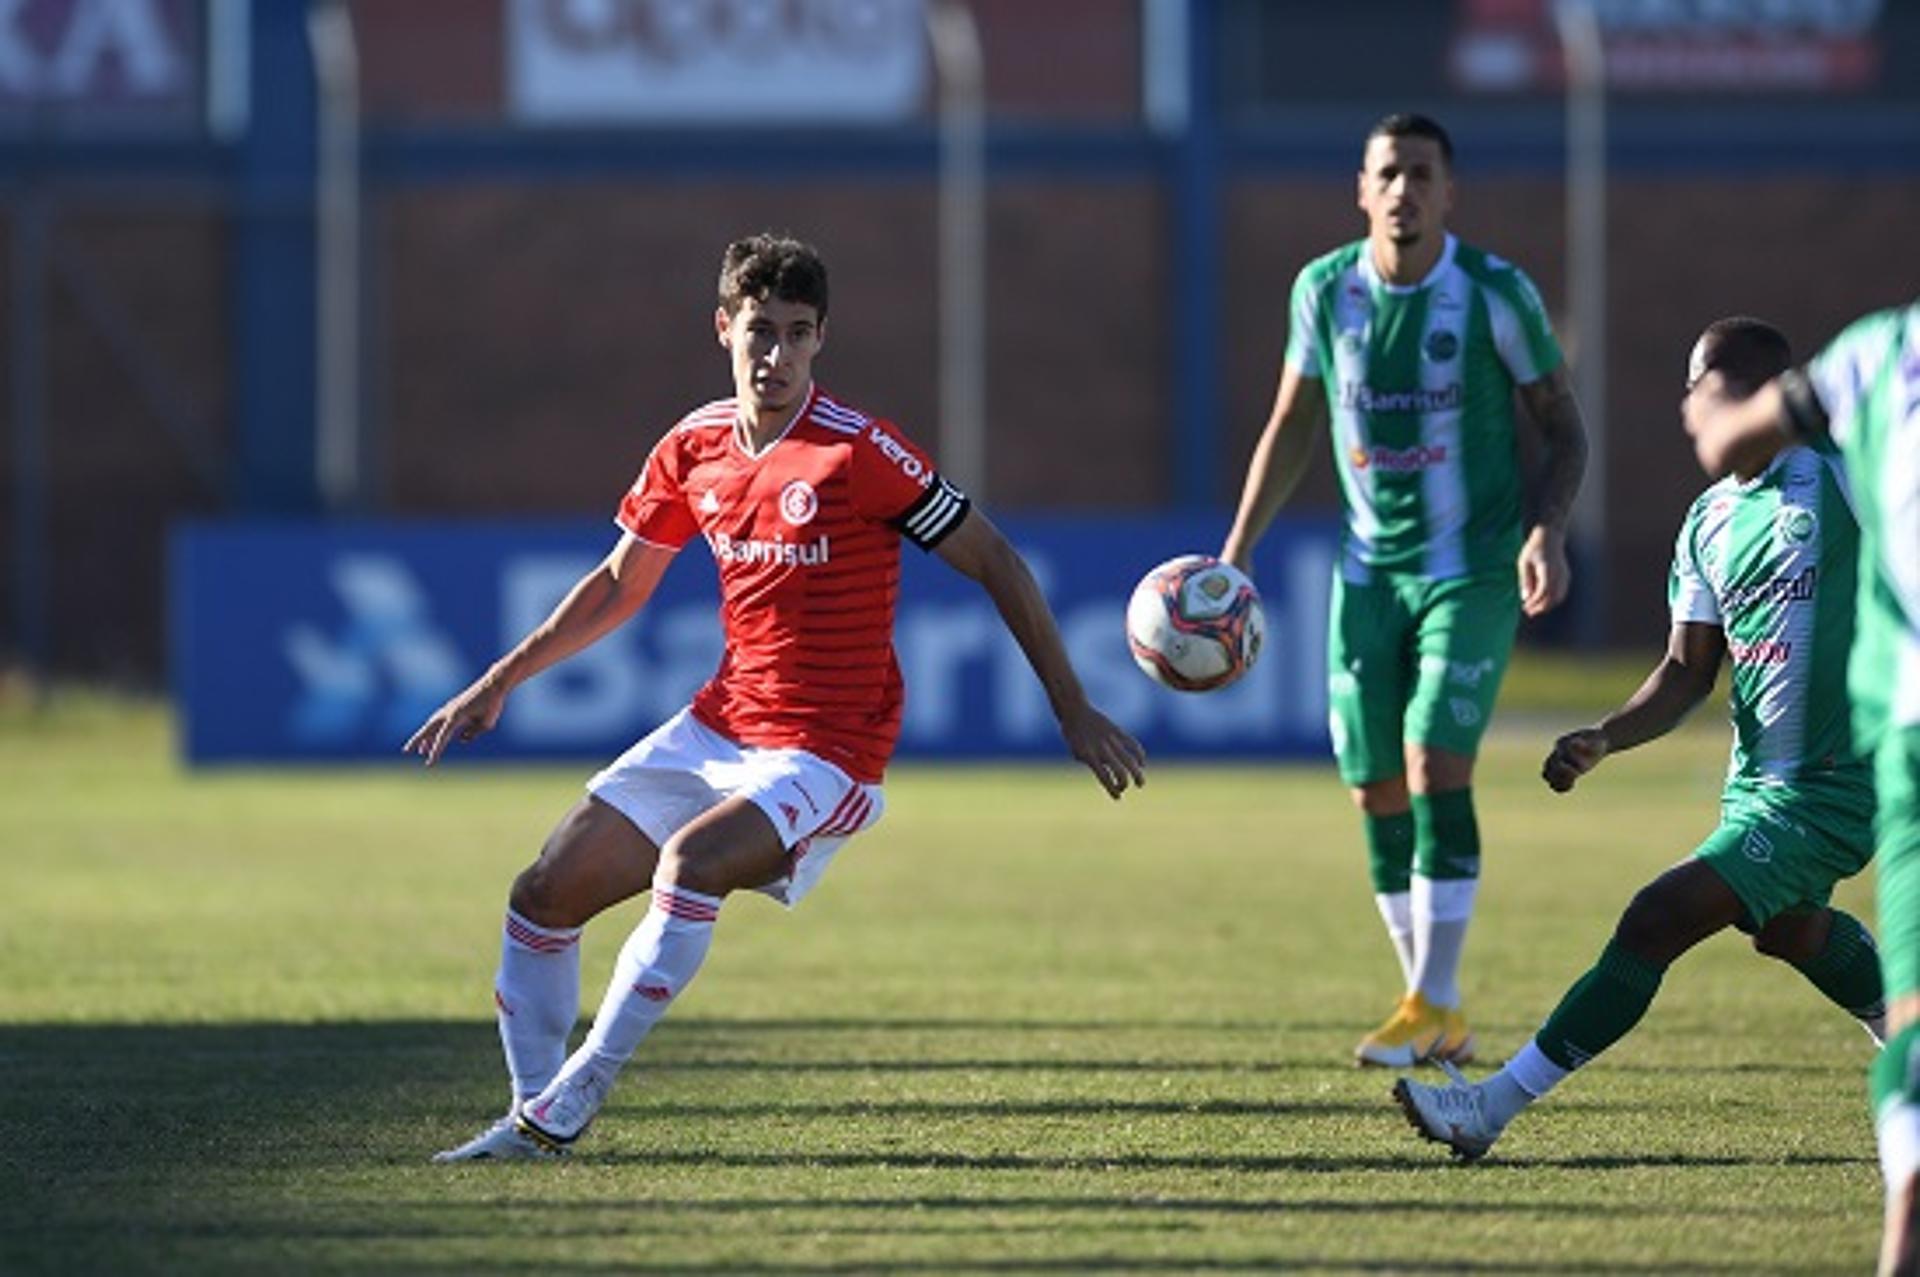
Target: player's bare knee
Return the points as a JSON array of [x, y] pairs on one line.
[[538, 897], [1650, 927], [1436, 771], [1381, 797], [1793, 938], [686, 862]]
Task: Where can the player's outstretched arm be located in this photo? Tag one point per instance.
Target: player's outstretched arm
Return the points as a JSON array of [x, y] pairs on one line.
[[1279, 461], [977, 549], [1544, 575], [598, 603], [1730, 433], [1679, 682]]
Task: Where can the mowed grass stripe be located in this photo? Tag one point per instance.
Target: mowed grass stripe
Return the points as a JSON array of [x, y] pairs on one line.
[[1020, 1028]]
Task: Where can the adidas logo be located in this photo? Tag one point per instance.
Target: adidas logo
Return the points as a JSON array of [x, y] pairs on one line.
[[709, 504]]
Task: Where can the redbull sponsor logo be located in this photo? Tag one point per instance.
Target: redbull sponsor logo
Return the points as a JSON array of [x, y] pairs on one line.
[[1412, 460], [779, 551], [1364, 398]]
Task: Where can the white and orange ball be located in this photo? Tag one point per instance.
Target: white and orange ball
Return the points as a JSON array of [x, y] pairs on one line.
[[1194, 623]]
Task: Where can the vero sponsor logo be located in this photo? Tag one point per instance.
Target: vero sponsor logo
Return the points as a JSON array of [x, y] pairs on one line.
[[893, 450]]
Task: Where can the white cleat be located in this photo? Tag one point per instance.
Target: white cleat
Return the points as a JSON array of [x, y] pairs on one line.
[[1454, 1114], [559, 1115], [501, 1142]]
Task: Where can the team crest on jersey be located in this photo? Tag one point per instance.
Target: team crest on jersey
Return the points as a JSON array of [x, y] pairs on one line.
[[1442, 345], [798, 503], [1794, 525]]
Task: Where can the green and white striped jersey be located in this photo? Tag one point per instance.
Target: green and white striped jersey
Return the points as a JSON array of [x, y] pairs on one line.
[[1420, 382], [1868, 381], [1772, 562]]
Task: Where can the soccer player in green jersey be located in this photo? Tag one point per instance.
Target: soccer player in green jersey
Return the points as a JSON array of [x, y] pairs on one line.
[[1862, 392], [1763, 578], [1409, 346]]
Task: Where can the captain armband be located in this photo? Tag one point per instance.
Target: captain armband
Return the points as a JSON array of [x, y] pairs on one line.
[[939, 510]]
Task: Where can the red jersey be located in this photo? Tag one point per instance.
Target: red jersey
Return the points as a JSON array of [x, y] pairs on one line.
[[806, 535]]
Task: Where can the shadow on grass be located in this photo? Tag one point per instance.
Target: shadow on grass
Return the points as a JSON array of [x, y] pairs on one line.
[[187, 1147]]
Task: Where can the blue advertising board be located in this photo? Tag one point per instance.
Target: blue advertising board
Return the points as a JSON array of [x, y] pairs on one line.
[[333, 641]]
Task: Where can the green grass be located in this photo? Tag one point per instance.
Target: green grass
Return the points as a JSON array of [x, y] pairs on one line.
[[1018, 1029]]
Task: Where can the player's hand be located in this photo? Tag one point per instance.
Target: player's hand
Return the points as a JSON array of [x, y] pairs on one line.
[[1544, 574], [1573, 756], [1114, 757], [470, 714]]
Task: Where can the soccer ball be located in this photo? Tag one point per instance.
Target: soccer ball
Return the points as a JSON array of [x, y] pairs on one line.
[[1195, 624]]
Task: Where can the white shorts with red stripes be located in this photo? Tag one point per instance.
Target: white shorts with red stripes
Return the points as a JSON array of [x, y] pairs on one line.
[[683, 767]]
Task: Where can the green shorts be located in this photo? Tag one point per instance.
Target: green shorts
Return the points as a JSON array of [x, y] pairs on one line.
[[1782, 856], [1412, 660], [1896, 829]]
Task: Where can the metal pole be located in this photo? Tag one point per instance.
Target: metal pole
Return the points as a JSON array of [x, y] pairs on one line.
[[1587, 293], [29, 408], [960, 68], [338, 458], [1196, 202]]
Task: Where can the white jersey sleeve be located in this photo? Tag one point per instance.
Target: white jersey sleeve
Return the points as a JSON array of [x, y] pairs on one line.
[[1690, 597]]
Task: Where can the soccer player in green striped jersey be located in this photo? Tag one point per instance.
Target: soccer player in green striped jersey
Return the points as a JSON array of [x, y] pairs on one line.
[[1409, 345], [1862, 392], [1763, 579]]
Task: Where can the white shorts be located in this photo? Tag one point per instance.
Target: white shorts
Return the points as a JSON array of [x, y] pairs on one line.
[[683, 767]]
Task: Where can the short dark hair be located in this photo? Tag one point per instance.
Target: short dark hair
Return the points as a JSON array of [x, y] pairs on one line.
[[1746, 351], [769, 265], [1408, 124]]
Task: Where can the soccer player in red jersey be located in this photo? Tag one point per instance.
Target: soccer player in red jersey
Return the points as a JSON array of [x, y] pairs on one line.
[[779, 759]]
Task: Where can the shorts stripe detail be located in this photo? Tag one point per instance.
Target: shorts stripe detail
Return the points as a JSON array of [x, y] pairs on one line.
[[839, 814], [848, 816], [685, 907], [527, 937]]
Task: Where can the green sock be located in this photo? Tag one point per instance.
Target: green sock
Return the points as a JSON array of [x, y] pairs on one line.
[[1390, 851], [1447, 836], [1600, 1008], [1847, 969]]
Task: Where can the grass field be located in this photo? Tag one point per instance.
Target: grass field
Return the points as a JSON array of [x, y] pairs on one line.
[[1019, 1029]]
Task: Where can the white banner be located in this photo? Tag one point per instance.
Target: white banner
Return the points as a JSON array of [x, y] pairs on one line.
[[715, 61]]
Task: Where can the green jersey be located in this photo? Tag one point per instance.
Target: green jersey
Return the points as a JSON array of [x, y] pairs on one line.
[[1772, 561], [1420, 382], [1868, 383]]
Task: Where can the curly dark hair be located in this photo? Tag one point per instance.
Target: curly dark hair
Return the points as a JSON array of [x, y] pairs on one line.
[[769, 265], [1747, 351]]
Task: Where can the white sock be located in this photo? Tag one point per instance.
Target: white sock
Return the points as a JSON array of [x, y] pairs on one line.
[[1898, 1127], [1520, 1081], [1396, 910], [659, 959], [1442, 908], [536, 998]]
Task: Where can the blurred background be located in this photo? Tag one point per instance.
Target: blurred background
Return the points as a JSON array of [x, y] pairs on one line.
[[320, 315]]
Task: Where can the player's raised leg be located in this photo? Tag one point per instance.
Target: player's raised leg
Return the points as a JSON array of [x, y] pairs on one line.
[[1670, 915], [732, 847], [594, 859]]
